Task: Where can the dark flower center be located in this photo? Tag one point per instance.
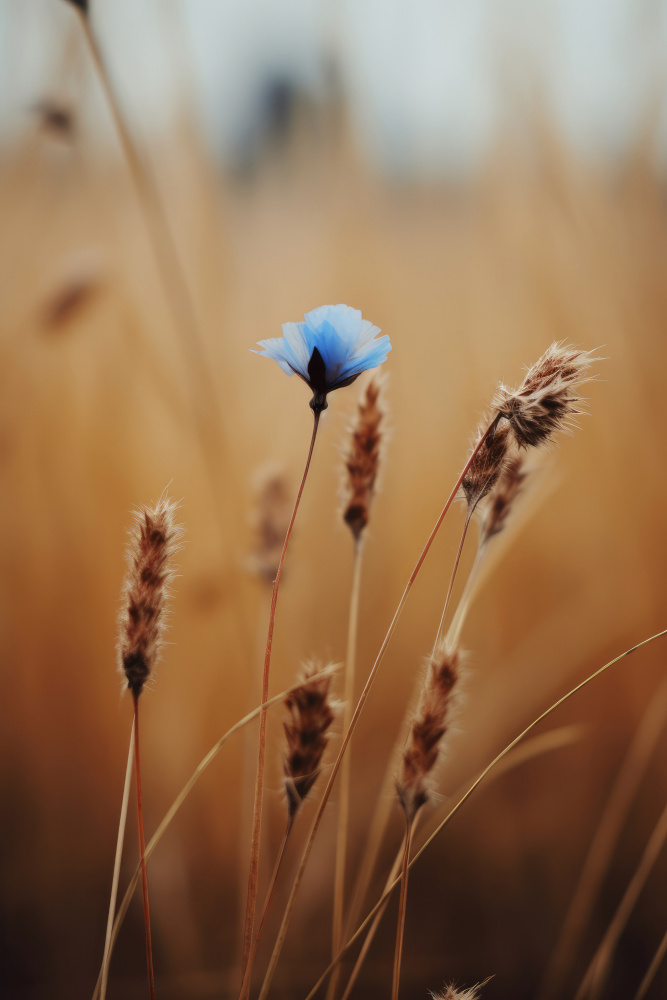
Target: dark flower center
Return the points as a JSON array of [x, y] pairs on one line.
[[317, 380]]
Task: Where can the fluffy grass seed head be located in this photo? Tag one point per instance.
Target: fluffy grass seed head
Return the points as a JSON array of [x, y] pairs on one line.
[[311, 714], [451, 992], [502, 498], [362, 458], [428, 729], [269, 518], [154, 538], [488, 464], [329, 350], [548, 398]]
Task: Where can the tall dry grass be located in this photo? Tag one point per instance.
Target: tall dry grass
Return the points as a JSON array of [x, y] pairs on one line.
[[96, 412]]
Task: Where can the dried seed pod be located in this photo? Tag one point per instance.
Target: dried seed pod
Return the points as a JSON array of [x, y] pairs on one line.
[[548, 398], [488, 464], [428, 728], [362, 458], [311, 713], [451, 992], [502, 499], [153, 540]]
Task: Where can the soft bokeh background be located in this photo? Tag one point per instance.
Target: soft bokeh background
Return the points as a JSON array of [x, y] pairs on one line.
[[480, 179]]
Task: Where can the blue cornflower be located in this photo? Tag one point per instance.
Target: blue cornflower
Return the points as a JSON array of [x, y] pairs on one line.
[[331, 348]]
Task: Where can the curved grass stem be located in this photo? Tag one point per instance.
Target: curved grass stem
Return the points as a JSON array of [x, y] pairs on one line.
[[116, 866], [464, 798], [253, 875], [142, 849], [176, 805], [355, 717], [245, 988], [344, 801], [402, 907]]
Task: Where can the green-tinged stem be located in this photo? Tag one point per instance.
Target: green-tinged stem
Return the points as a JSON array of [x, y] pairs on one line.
[[176, 805], [345, 774], [402, 906], [116, 866], [142, 849], [355, 717], [253, 875], [464, 798], [245, 988]]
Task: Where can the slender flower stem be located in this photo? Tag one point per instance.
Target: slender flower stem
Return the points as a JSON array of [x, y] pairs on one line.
[[452, 579], [142, 849], [344, 803], [402, 905], [116, 866], [384, 801], [355, 717], [245, 988], [178, 802], [467, 794], [253, 874]]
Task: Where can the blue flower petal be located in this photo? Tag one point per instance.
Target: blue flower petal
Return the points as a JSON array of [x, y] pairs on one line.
[[347, 343]]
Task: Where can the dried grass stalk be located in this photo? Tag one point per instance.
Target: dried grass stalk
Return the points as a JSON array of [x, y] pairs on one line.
[[311, 714], [548, 398], [429, 727], [362, 459], [269, 521], [153, 540], [488, 464], [501, 499]]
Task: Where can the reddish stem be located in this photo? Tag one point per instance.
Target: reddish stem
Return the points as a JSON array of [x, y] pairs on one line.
[[245, 989], [253, 875], [402, 906], [357, 712], [452, 579], [142, 848]]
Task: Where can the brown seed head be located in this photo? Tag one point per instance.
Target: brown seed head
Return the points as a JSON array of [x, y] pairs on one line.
[[502, 499], [153, 540], [311, 714], [362, 458], [269, 520], [488, 464], [452, 993], [429, 727], [548, 397]]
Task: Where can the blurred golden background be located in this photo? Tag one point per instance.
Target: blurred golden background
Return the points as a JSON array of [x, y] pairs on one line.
[[473, 248]]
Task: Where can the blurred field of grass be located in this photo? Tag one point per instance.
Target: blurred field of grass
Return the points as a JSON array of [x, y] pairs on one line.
[[95, 416]]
